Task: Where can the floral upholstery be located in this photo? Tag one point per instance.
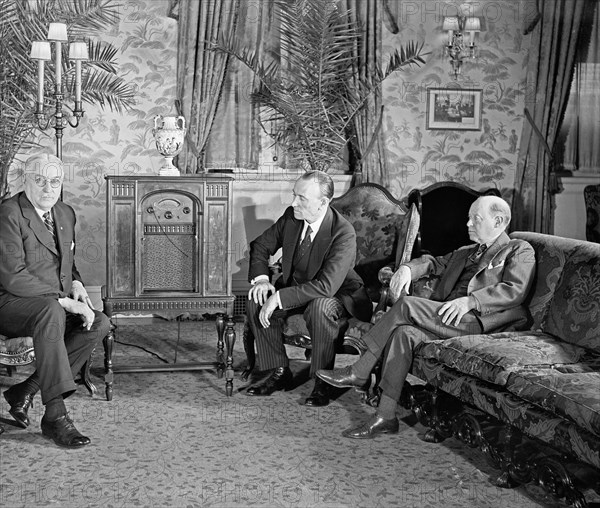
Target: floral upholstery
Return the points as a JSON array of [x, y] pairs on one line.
[[573, 395], [493, 357], [16, 351], [550, 254], [381, 229], [574, 314], [560, 433]]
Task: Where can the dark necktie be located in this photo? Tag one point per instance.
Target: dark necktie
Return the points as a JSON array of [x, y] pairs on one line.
[[49, 223], [476, 256], [305, 244]]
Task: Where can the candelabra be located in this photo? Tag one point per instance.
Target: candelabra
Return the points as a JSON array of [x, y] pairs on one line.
[[461, 40], [41, 51]]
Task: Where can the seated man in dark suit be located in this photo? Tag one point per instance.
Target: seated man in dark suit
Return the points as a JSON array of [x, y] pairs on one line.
[[318, 254], [482, 289], [42, 296]]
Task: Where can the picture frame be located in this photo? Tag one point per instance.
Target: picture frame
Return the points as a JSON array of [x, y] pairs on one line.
[[454, 109]]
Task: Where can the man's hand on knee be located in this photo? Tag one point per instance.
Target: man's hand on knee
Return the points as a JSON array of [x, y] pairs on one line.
[[454, 310], [260, 291], [79, 308]]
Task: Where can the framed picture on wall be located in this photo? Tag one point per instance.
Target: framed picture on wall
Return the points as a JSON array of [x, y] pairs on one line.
[[455, 109]]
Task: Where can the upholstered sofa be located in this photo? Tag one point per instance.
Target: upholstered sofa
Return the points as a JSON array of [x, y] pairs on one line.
[[529, 399]]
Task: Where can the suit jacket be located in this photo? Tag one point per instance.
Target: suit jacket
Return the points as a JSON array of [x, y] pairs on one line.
[[500, 285], [330, 266], [30, 263]]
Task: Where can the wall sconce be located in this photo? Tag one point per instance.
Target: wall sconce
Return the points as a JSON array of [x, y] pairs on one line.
[[41, 51], [462, 31]]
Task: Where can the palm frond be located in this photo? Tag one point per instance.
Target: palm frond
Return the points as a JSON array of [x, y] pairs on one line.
[[312, 97]]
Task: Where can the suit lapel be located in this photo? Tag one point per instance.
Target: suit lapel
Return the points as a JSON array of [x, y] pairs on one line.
[[36, 224], [491, 252]]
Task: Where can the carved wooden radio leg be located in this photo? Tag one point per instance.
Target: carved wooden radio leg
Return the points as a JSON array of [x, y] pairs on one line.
[[220, 323], [230, 342], [108, 342]]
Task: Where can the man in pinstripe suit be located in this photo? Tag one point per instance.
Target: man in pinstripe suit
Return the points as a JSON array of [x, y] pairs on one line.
[[318, 254]]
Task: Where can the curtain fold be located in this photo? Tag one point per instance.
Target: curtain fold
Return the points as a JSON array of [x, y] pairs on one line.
[[200, 72], [550, 69], [372, 168], [579, 149]]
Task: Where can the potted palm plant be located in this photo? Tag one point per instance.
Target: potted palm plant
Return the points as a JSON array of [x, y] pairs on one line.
[[24, 22], [309, 98]]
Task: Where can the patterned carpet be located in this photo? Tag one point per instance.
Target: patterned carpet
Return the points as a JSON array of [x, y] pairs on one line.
[[174, 439]]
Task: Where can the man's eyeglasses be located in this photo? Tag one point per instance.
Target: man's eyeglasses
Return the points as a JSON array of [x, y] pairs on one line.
[[41, 181]]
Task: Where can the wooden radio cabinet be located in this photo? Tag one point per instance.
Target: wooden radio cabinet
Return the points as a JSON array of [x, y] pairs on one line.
[[168, 253]]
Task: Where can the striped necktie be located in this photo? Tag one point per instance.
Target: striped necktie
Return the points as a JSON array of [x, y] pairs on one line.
[[49, 223]]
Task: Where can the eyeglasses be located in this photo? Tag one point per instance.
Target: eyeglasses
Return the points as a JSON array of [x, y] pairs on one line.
[[41, 181]]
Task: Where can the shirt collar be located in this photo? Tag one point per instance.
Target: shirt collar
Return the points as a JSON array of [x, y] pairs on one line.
[[41, 212], [314, 226]]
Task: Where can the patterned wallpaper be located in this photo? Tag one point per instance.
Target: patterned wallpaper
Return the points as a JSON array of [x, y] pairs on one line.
[[416, 156], [111, 143]]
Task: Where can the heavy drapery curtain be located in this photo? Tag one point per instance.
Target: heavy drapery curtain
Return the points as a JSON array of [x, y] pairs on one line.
[[551, 64], [201, 72], [580, 131], [368, 167]]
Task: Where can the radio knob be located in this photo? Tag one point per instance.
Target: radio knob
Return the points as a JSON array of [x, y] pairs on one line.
[[186, 209], [150, 210], [168, 215]]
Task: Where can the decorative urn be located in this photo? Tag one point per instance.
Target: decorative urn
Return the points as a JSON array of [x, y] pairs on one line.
[[169, 136]]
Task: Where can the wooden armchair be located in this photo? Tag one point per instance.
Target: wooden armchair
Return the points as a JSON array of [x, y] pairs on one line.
[[383, 240]]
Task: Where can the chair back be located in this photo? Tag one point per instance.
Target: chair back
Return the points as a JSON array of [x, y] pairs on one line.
[[444, 208], [377, 218]]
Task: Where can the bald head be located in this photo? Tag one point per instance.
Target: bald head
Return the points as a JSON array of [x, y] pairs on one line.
[[489, 216], [42, 180]]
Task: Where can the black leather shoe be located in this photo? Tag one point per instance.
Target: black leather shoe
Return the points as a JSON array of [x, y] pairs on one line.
[[280, 379], [19, 405], [63, 432], [342, 378], [319, 396], [375, 426]]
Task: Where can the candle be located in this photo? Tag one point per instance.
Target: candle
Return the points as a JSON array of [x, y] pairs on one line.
[[40, 51], [40, 81], [78, 80], [58, 64], [78, 51]]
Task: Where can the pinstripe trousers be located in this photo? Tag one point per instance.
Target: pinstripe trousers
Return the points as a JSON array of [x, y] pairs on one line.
[[321, 317]]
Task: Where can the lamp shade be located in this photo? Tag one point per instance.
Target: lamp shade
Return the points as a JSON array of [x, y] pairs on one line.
[[40, 50], [450, 23], [78, 51], [472, 24], [57, 32]]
